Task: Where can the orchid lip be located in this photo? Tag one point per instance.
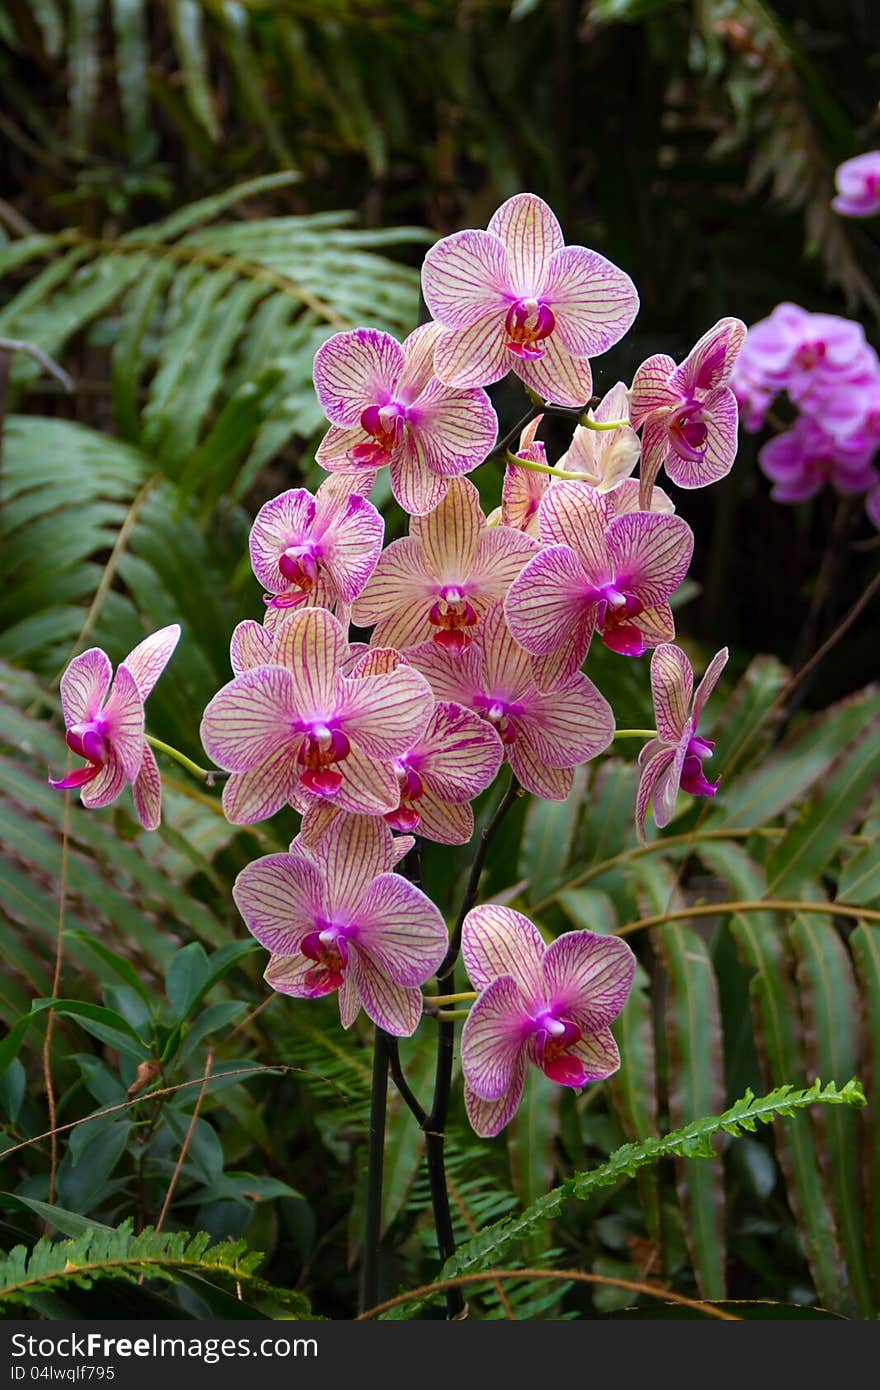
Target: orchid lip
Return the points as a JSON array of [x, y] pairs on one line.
[[527, 323]]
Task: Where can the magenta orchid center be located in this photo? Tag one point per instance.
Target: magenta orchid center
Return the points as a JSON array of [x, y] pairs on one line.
[[528, 323], [614, 614], [321, 749], [688, 432], [327, 946], [87, 740], [692, 778], [500, 713], [550, 1043], [385, 424], [810, 355], [451, 615], [298, 564], [407, 817]]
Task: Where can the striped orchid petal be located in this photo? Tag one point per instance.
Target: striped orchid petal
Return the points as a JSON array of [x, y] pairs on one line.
[[530, 231], [282, 522], [709, 682], [351, 545], [493, 1038], [418, 355], [507, 668], [396, 1008], [396, 596], [149, 658], [401, 930], [251, 646], [594, 302], [668, 783], [489, 1117], [552, 783], [597, 1054], [550, 605], [251, 718], [449, 535], [455, 431], [445, 822], [355, 370], [147, 791], [279, 897], [721, 413], [501, 555], [651, 554], [672, 686], [385, 715], [654, 759], [335, 453], [577, 516], [465, 277], [458, 755], [84, 686], [368, 787], [415, 486], [474, 356], [625, 498], [556, 375], [710, 363], [588, 977], [568, 724], [451, 676], [124, 719], [498, 941], [651, 390], [263, 789], [109, 783], [311, 646], [358, 850], [296, 976]]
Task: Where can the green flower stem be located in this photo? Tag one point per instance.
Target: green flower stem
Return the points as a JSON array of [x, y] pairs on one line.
[[635, 733], [209, 775], [449, 1015], [543, 468], [590, 424], [439, 1001]]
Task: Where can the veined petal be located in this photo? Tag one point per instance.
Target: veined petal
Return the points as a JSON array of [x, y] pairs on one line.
[[399, 582], [280, 897], [385, 715], [709, 682], [498, 941], [651, 389], [418, 352], [354, 370], [489, 1117], [124, 715], [401, 930], [575, 515], [552, 783], [455, 677], [710, 363], [548, 605], [625, 498], [593, 300], [250, 718], [450, 533], [84, 686], [458, 754], [588, 978], [334, 453], [251, 646], [416, 488], [453, 430], [263, 789], [352, 546], [493, 1038], [110, 781], [311, 646], [283, 521], [473, 356], [349, 1000], [357, 851], [521, 494], [149, 658], [147, 790], [672, 685], [396, 1008], [446, 822], [597, 1052], [667, 785], [656, 450], [530, 231], [501, 555], [652, 769], [651, 554], [295, 975], [557, 375], [465, 277], [722, 419], [656, 625], [507, 666], [369, 787], [569, 724]]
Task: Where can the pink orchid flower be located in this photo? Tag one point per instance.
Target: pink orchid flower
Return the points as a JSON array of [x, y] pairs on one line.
[[792, 349], [604, 458], [802, 460], [517, 296], [315, 551], [858, 186], [674, 759], [689, 414], [335, 917], [546, 730], [300, 725], [109, 731], [523, 488], [597, 572], [386, 407], [438, 581], [548, 1005]]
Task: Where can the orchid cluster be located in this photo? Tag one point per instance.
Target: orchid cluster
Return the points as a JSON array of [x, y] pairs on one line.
[[832, 377], [472, 634]]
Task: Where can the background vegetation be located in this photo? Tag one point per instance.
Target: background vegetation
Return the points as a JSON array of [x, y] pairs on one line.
[[197, 192]]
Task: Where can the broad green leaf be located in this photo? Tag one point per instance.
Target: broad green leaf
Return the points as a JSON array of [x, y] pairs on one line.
[[865, 944], [531, 1141], [548, 838]]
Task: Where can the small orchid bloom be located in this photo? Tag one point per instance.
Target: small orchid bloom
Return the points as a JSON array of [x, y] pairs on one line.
[[858, 186], [455, 759], [386, 407], [546, 730], [675, 758], [517, 296], [792, 349], [523, 488], [802, 460], [604, 458], [597, 572], [315, 551], [335, 917], [688, 414], [437, 582], [108, 731], [300, 725], [548, 1005]]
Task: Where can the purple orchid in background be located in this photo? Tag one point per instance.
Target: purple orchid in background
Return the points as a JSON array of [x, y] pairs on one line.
[[386, 407], [674, 759], [688, 414], [300, 725], [438, 581], [335, 917], [548, 1005], [793, 349], [316, 551], [858, 186], [109, 731], [597, 572], [802, 460], [517, 296], [547, 729]]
